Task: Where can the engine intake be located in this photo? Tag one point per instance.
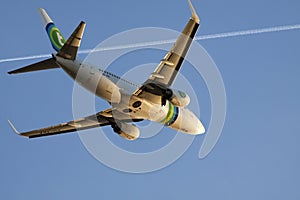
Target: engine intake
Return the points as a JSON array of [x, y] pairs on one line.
[[179, 98], [127, 131]]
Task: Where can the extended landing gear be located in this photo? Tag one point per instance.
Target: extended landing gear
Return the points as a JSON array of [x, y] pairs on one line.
[[166, 95], [116, 129]]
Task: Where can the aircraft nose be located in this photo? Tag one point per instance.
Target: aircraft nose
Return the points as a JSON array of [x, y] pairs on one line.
[[200, 128], [189, 123], [196, 127]]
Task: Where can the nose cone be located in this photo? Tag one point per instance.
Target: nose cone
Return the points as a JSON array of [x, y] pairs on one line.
[[188, 122], [200, 128], [195, 125]]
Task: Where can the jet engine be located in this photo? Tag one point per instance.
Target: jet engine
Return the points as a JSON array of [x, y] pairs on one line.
[[127, 131], [179, 98]]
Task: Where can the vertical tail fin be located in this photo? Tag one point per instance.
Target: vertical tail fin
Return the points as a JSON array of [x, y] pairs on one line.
[[56, 38], [65, 48]]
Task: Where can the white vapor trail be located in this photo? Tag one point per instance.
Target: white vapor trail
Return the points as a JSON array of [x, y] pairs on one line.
[[152, 43]]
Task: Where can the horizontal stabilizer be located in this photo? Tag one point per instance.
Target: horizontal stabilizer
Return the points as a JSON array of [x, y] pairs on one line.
[[70, 48], [43, 65]]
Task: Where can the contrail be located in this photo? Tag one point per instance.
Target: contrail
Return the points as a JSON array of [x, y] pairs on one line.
[[152, 43], [24, 58]]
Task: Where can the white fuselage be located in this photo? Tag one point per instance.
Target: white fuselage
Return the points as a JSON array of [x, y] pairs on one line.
[[119, 91]]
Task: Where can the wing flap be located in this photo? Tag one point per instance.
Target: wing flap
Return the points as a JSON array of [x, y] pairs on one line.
[[172, 62], [70, 48]]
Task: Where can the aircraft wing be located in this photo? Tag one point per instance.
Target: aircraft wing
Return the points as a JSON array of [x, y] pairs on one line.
[[166, 72], [102, 118]]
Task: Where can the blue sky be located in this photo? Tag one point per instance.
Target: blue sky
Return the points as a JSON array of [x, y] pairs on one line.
[[257, 156]]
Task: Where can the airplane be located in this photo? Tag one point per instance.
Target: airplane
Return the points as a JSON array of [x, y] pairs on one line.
[[154, 100]]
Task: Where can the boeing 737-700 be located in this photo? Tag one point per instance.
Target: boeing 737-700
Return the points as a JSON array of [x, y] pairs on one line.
[[154, 100]]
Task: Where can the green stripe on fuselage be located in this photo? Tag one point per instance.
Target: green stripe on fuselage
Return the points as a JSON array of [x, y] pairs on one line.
[[169, 114]]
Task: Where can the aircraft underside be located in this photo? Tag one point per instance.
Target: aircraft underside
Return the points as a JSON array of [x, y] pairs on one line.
[[154, 100]]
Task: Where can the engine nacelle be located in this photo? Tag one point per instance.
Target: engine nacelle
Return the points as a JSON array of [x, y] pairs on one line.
[[180, 99], [127, 131]]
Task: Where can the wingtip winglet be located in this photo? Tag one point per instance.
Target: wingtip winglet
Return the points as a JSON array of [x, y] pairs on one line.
[[194, 14], [13, 127]]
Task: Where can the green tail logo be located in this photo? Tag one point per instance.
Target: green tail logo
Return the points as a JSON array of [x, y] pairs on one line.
[[55, 36]]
